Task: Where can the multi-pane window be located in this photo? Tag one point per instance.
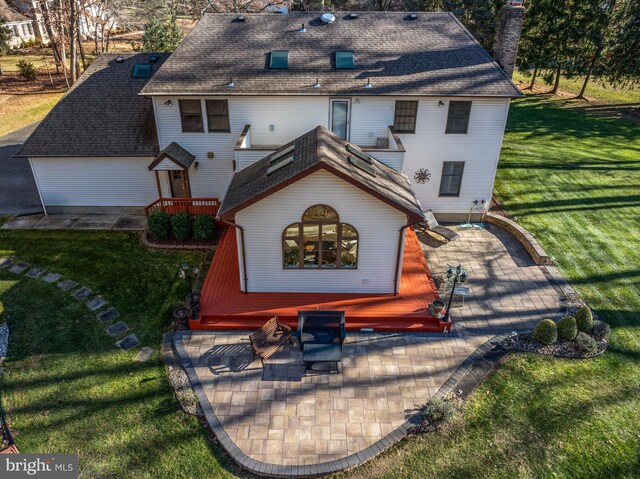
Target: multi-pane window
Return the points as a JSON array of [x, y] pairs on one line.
[[405, 116], [218, 115], [191, 115], [451, 178], [458, 117], [320, 241]]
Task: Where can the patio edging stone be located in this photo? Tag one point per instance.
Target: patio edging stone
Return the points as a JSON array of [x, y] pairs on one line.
[[175, 342], [526, 239]]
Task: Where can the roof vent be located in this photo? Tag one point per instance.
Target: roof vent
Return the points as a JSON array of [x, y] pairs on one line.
[[240, 19], [328, 17], [119, 59], [153, 59], [317, 84], [230, 84], [413, 16], [353, 16], [302, 30]]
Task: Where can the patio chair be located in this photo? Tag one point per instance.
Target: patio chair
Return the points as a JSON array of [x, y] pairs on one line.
[[321, 335], [430, 224], [268, 339]]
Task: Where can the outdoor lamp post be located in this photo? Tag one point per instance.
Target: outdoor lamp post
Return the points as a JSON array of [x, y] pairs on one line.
[[189, 276], [458, 276]]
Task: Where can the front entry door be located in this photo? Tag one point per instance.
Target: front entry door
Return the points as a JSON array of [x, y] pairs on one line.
[[178, 182], [340, 116]]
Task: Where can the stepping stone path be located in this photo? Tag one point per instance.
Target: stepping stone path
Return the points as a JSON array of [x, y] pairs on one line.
[[117, 329], [128, 343], [108, 315], [82, 294], [144, 354], [67, 285], [96, 303], [19, 268], [5, 262], [52, 277], [35, 273]]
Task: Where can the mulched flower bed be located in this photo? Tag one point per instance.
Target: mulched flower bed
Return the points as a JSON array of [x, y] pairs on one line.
[[178, 244], [562, 349]]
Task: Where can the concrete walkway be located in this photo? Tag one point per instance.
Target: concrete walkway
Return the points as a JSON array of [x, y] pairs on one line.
[[117, 222]]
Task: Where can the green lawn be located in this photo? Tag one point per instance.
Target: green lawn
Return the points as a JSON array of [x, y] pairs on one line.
[[67, 389], [574, 181]]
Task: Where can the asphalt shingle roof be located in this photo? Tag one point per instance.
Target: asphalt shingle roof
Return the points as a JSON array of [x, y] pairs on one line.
[[101, 115], [319, 149], [431, 55], [177, 153]]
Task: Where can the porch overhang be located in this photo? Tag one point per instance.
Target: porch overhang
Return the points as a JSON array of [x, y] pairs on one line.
[[172, 158]]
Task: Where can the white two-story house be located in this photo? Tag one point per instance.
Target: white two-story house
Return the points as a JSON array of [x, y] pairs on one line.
[[322, 135]]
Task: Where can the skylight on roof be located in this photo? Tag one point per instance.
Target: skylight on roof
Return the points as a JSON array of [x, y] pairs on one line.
[[279, 59], [360, 154], [344, 60], [281, 159], [141, 70], [361, 165]]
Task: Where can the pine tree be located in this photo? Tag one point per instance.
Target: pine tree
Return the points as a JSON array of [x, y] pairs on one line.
[[173, 37], [154, 37], [621, 54], [5, 36]]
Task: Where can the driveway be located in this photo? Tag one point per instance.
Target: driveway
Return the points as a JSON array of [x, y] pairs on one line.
[[18, 191]]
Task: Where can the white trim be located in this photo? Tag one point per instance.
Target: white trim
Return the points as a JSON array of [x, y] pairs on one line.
[[495, 165], [35, 178], [348, 102]]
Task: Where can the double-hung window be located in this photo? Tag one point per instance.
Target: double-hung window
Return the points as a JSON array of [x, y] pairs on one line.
[[405, 116], [451, 179], [218, 116], [458, 117], [191, 115]]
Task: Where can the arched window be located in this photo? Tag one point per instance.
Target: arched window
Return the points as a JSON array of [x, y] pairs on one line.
[[320, 241]]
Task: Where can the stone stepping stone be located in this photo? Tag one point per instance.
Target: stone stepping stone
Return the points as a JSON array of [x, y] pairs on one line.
[[96, 303], [82, 294], [108, 315], [128, 343], [6, 262], [117, 329], [144, 354], [67, 285], [51, 277], [35, 273], [19, 268]]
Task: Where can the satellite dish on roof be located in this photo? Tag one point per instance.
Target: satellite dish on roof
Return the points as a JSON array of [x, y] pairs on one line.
[[328, 18]]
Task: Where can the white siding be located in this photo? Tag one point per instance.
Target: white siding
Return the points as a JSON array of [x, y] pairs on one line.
[[394, 159], [378, 226], [166, 164], [246, 158], [95, 181]]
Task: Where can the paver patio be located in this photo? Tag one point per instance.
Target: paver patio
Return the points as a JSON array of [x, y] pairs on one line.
[[278, 416]]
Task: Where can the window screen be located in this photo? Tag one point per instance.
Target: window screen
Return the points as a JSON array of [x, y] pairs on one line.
[[451, 178]]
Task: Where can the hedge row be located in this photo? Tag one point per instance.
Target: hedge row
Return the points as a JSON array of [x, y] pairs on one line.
[[181, 226]]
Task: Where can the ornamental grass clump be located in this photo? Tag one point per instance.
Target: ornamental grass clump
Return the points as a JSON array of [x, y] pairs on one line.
[[438, 412], [159, 225], [586, 344], [204, 228], [600, 330], [181, 226], [546, 332], [584, 319], [567, 328]]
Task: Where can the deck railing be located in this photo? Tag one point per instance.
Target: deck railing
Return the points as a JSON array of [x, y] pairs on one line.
[[191, 206]]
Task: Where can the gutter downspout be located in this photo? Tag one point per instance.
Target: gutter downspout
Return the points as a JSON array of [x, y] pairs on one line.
[[396, 283], [244, 258]]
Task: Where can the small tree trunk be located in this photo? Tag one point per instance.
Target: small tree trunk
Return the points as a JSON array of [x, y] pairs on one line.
[[73, 51], [80, 45], [533, 79], [557, 82]]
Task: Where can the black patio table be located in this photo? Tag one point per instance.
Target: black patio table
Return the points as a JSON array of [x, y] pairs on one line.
[[321, 357]]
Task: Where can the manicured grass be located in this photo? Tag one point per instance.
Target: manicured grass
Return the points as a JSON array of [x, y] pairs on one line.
[[573, 179], [67, 389], [18, 111]]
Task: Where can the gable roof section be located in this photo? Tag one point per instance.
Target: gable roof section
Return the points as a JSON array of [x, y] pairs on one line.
[[101, 115], [178, 155], [431, 55], [315, 150], [11, 13]]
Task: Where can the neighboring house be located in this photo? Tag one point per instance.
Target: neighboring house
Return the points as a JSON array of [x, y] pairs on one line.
[[323, 140], [20, 26]]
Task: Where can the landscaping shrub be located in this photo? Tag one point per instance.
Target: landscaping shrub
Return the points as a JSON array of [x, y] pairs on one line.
[[27, 70], [438, 411], [159, 225], [567, 328], [203, 227], [600, 330], [586, 344], [181, 226], [1, 313], [545, 332], [584, 319]]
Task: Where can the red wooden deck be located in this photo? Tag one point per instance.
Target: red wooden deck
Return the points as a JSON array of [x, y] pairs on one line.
[[224, 306]]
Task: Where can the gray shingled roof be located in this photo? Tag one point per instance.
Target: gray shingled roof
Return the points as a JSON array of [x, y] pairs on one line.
[[431, 55], [176, 153], [319, 149], [101, 115]]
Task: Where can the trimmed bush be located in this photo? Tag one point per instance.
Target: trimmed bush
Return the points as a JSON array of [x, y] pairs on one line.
[[584, 319], [1, 312], [438, 411], [27, 70], [204, 228], [159, 225], [586, 344], [545, 332], [567, 328], [181, 226], [600, 330]]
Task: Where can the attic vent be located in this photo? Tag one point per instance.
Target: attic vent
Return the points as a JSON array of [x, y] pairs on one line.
[[360, 154], [344, 60], [279, 59], [328, 17], [281, 159], [361, 165], [413, 16], [141, 70], [240, 19], [153, 59], [119, 59]]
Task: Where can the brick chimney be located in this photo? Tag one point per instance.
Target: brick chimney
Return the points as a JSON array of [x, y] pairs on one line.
[[506, 48]]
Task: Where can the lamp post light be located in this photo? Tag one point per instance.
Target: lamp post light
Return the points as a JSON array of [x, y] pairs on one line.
[[458, 276], [189, 274]]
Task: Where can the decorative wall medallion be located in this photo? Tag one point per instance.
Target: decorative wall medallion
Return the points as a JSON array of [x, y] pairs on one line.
[[422, 176]]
